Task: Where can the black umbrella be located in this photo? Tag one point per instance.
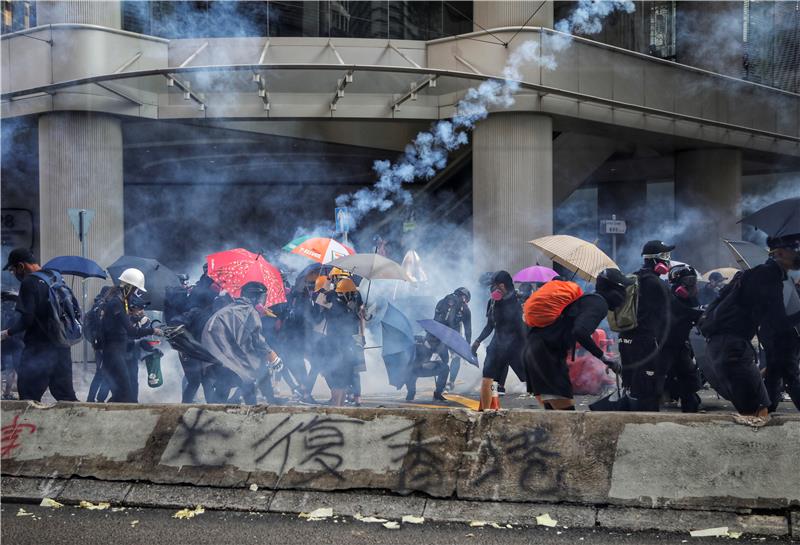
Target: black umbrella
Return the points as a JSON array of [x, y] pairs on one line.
[[157, 277], [778, 219], [184, 342]]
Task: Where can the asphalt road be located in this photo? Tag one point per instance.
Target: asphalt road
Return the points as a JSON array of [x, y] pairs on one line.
[[73, 525]]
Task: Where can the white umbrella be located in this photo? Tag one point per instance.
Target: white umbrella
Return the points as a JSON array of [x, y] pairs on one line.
[[371, 266], [581, 257]]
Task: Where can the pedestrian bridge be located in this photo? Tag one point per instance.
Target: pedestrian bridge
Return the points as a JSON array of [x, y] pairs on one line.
[[57, 67]]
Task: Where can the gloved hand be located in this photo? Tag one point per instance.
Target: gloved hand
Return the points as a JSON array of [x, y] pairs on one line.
[[475, 347], [613, 364], [276, 365], [4, 335], [158, 332]]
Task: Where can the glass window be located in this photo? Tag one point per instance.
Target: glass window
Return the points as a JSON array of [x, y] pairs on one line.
[[662, 30]]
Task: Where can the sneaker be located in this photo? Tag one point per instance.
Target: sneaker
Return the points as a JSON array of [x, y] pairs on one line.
[[410, 397], [438, 397], [501, 391]]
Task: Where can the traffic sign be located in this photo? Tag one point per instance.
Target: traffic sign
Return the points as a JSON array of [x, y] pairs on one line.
[[613, 227], [81, 219]]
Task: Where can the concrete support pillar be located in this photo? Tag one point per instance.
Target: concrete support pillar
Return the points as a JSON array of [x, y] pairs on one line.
[[512, 158], [503, 13], [628, 200], [80, 166], [708, 194]]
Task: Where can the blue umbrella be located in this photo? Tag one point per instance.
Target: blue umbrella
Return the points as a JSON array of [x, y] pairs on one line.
[[450, 338], [77, 266], [398, 345]]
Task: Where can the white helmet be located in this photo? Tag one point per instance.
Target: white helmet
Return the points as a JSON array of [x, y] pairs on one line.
[[134, 277]]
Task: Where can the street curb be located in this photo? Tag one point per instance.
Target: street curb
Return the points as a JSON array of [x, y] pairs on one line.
[[394, 507]]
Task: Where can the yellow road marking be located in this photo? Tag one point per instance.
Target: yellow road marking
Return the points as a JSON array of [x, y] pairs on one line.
[[465, 401]]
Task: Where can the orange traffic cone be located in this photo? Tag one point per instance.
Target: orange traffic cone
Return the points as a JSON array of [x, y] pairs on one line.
[[495, 397]]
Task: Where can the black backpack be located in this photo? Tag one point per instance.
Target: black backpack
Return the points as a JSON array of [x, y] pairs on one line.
[[92, 324], [63, 327], [723, 309]]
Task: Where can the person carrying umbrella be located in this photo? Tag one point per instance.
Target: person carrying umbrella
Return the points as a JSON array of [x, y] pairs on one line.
[[453, 311], [117, 330], [346, 325], [504, 319], [753, 302], [430, 360], [547, 348]]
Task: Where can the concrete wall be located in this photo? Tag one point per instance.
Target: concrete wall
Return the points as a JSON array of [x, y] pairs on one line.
[[623, 460]]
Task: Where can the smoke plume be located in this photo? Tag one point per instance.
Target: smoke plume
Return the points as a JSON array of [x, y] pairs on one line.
[[428, 153]]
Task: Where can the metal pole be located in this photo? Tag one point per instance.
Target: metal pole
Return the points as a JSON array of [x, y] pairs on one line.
[[82, 237], [614, 242]]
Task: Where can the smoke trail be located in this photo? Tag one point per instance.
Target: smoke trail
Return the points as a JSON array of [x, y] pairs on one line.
[[428, 153]]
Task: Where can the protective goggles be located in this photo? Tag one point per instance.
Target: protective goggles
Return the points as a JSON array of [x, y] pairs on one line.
[[663, 256]]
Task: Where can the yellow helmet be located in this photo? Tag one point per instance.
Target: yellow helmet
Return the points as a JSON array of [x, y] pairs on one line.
[[346, 285], [336, 271], [321, 283]]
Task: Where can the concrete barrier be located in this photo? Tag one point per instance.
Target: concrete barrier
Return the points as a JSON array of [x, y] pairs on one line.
[[628, 464]]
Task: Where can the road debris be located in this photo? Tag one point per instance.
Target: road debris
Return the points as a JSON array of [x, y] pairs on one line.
[[722, 531], [318, 514], [189, 513], [23, 513], [411, 519], [362, 518], [391, 525], [94, 507], [477, 523], [254, 487], [49, 502], [546, 520]]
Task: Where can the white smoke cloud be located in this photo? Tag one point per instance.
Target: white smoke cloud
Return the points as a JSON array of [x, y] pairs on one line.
[[428, 153]]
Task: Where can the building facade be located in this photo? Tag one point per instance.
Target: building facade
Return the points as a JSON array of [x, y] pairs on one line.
[[190, 126]]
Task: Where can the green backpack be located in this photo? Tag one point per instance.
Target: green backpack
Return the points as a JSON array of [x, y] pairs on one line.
[[624, 318]]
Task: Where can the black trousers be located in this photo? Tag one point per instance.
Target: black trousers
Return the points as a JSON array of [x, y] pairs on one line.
[[683, 377], [116, 372], [44, 366], [196, 374], [732, 371], [436, 369], [783, 369], [643, 371]]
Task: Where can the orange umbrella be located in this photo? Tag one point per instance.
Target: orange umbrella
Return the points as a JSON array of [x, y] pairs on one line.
[[320, 249], [232, 269]]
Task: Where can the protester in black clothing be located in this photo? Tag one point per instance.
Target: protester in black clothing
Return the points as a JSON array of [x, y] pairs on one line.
[[752, 301], [12, 347], [118, 330], [453, 311], [683, 377], [136, 307], [430, 360], [710, 290], [43, 364], [643, 371], [546, 349], [782, 351], [504, 318]]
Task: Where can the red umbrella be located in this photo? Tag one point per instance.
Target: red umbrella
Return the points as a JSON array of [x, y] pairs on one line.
[[232, 269]]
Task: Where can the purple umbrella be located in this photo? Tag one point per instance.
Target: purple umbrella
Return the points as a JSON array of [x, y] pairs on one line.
[[537, 273]]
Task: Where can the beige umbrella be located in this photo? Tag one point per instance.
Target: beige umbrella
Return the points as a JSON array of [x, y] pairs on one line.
[[581, 257], [726, 272]]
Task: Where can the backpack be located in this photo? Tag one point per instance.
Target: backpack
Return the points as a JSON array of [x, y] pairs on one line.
[[546, 304], [625, 317], [63, 326], [726, 305], [92, 324]]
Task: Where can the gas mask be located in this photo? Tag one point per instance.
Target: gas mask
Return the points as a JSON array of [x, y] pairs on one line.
[[496, 295], [661, 268]]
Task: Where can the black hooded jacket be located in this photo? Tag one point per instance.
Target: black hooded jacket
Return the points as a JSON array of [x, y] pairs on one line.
[[504, 317]]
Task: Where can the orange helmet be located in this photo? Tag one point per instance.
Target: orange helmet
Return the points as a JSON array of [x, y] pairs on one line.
[[321, 283], [346, 285]]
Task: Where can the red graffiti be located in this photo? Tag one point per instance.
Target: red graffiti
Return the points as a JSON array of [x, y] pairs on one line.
[[11, 436]]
